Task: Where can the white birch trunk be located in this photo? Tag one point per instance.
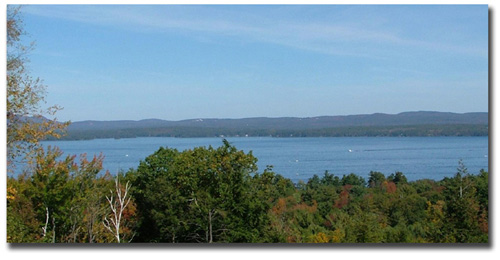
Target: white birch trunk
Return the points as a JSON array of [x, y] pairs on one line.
[[117, 207]]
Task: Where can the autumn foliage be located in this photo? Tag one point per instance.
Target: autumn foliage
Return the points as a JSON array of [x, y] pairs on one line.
[[212, 195]]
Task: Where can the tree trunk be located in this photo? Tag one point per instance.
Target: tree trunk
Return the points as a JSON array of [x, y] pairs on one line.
[[210, 226], [53, 230]]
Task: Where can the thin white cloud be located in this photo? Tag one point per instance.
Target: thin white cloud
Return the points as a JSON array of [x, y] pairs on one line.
[[328, 38]]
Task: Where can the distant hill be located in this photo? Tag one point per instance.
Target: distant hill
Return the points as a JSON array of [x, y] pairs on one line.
[[424, 122], [378, 119]]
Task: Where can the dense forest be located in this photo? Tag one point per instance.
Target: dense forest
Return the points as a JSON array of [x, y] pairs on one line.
[[207, 194], [347, 131]]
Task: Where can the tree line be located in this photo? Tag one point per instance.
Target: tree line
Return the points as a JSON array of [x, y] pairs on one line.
[[209, 195], [354, 131]]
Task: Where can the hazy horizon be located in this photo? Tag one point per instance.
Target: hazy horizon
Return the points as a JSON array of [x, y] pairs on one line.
[[272, 117], [177, 62]]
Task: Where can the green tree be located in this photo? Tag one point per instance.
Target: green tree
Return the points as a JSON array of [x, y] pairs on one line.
[[463, 210], [330, 180], [398, 178], [61, 200], [353, 179], [198, 195], [22, 223], [435, 221], [376, 179]]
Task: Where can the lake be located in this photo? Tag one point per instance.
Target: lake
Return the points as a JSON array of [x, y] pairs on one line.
[[301, 158]]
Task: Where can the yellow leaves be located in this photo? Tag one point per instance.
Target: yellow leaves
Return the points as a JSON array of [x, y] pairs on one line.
[[320, 238], [289, 204], [26, 125], [11, 193], [335, 236], [435, 211], [338, 235]]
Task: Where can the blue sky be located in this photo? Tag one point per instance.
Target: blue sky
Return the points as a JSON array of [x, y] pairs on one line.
[[180, 62]]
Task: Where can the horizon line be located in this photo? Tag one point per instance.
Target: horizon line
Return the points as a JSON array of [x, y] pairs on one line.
[[275, 117]]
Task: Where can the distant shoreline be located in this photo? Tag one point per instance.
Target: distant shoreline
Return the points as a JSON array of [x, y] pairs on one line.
[[363, 131], [419, 123], [278, 137]]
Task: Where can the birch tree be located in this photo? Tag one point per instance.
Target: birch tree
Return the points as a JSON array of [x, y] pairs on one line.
[[117, 205]]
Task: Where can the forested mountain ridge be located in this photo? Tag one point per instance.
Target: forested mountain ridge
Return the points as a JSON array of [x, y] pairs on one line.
[[404, 124], [377, 119]]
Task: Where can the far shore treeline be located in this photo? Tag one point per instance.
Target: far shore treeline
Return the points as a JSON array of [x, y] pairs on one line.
[[421, 123], [353, 131]]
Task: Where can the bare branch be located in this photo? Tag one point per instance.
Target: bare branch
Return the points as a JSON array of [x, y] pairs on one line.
[[117, 207]]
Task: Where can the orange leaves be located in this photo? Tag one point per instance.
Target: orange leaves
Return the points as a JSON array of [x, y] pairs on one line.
[[389, 187], [305, 207], [280, 206], [289, 215], [95, 165], [483, 222], [130, 212], [289, 204], [343, 198]]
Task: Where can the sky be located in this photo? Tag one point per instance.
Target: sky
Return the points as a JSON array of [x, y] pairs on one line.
[[132, 62]]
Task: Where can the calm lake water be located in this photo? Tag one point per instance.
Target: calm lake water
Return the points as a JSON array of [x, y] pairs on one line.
[[301, 158]]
